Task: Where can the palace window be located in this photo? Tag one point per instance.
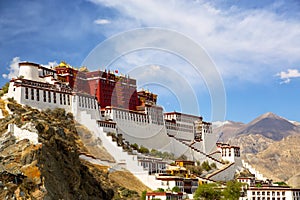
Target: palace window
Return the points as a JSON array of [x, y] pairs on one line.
[[68, 97], [37, 94], [60, 98], [44, 95], [32, 94], [49, 96], [64, 99], [26, 93], [54, 97]]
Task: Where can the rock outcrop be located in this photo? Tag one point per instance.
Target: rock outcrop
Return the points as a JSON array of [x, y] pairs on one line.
[[52, 168]]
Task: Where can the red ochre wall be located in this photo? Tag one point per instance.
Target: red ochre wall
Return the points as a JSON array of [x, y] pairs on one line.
[[110, 89]]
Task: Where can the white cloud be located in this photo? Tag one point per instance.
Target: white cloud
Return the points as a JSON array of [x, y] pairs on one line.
[[51, 64], [287, 76], [102, 21], [246, 44], [13, 69]]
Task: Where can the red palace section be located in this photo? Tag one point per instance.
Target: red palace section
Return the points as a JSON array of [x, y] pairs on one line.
[[109, 88]]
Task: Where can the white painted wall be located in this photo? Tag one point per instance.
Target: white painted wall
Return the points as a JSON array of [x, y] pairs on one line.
[[288, 194], [252, 170], [23, 133]]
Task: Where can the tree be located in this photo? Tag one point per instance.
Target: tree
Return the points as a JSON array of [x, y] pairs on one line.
[[143, 150], [213, 165], [176, 189], [4, 89], [208, 191], [232, 190], [143, 196], [205, 165], [196, 170], [135, 146]]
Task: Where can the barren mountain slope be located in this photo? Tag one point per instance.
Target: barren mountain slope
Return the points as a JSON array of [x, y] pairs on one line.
[[280, 161]]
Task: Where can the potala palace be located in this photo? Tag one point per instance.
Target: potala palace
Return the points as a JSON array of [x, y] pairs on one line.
[[108, 103]]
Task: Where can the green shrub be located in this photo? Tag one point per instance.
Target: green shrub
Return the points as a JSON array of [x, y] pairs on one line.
[[205, 165], [176, 189]]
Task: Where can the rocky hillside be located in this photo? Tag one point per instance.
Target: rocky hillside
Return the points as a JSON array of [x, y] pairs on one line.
[[280, 161], [51, 168]]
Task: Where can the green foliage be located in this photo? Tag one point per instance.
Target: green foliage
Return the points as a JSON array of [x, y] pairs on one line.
[[280, 183], [196, 170], [208, 191], [159, 190], [176, 189], [205, 165], [4, 89], [143, 196], [163, 155], [232, 190], [135, 146], [258, 185], [213, 165], [143, 150]]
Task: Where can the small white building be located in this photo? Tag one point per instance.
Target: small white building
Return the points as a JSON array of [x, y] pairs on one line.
[[228, 152], [185, 126], [166, 195], [247, 180], [151, 164], [273, 193], [187, 185]]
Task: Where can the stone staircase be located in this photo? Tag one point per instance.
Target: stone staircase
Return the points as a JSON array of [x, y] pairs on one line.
[[190, 145], [128, 160]]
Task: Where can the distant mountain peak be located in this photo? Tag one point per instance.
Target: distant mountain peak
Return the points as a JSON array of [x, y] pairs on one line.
[[267, 115], [270, 115], [269, 125]]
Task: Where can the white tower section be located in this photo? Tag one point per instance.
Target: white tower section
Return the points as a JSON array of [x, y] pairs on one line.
[[29, 71]]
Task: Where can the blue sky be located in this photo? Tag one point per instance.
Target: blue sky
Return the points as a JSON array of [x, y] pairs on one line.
[[255, 46]]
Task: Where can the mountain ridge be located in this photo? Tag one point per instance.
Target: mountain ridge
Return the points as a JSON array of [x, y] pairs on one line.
[[268, 124]]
